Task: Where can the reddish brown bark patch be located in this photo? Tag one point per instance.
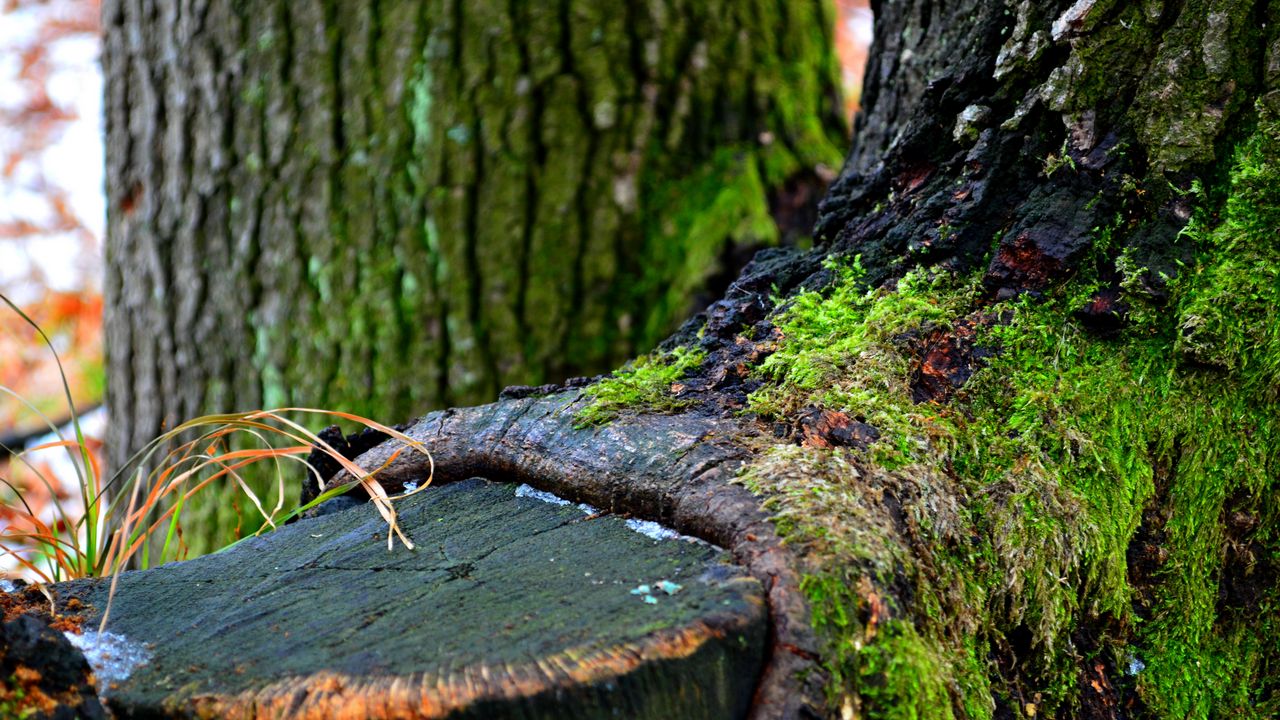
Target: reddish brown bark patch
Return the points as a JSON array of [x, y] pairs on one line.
[[912, 177], [1105, 312], [1098, 698], [947, 363], [828, 428], [1020, 266]]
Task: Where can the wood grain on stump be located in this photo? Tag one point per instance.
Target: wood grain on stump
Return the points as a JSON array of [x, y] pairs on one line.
[[510, 607]]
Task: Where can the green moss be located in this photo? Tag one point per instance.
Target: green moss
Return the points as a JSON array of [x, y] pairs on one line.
[[842, 350], [1058, 161], [645, 384], [1001, 525], [902, 675], [1230, 314]]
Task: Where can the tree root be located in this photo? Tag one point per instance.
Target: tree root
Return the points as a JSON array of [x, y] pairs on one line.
[[673, 469]]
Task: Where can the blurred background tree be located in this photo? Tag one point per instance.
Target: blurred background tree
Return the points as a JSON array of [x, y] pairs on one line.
[[388, 208]]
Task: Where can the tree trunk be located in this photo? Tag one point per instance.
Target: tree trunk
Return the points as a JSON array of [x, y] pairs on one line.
[[388, 207], [1017, 418]]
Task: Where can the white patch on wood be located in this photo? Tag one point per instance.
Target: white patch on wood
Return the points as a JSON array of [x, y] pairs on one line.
[[648, 528], [112, 657], [528, 491]]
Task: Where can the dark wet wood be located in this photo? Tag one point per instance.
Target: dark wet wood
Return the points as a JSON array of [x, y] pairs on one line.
[[509, 607]]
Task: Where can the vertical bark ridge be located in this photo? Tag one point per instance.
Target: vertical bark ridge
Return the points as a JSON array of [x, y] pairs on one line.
[[530, 154], [569, 68]]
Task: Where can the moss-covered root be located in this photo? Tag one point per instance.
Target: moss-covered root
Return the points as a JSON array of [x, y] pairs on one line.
[[648, 383]]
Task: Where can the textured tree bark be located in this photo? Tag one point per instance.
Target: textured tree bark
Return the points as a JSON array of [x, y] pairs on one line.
[[1055, 494], [391, 206]]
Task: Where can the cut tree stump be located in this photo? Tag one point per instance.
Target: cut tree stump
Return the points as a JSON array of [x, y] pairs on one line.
[[509, 607]]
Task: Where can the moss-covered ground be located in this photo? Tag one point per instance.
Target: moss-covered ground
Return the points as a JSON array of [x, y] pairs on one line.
[[1089, 519]]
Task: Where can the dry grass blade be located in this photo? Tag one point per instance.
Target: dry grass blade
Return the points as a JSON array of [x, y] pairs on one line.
[[180, 464], [184, 462], [25, 528], [185, 471], [379, 496], [16, 554], [118, 537]]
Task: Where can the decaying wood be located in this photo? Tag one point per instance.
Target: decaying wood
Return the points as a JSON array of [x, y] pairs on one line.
[[510, 607]]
